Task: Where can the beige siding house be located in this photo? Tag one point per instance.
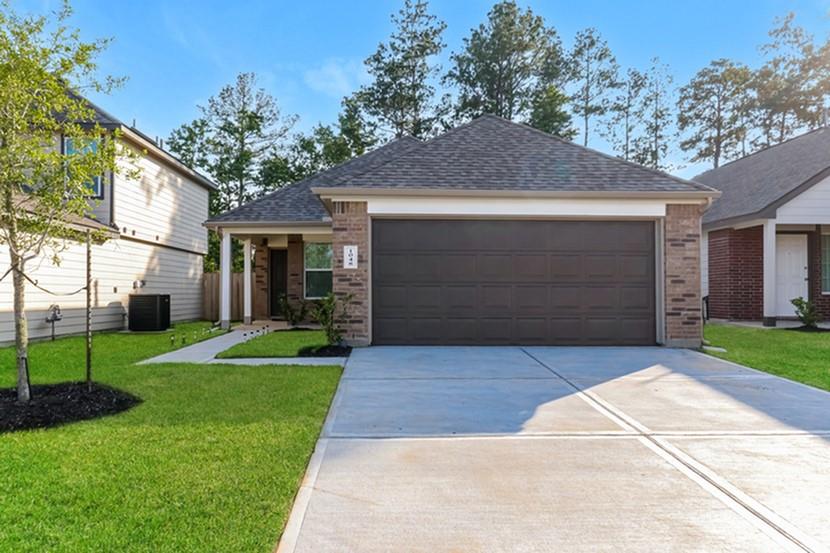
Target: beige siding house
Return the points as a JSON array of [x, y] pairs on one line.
[[158, 247]]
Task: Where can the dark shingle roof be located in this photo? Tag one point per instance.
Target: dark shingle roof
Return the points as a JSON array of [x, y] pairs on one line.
[[296, 203], [487, 154], [491, 153], [755, 182]]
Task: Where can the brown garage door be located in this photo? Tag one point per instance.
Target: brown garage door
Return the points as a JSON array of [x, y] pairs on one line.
[[513, 282]]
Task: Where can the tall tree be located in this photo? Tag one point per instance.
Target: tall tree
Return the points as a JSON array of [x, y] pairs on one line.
[[401, 96], [190, 143], [791, 86], [549, 112], [651, 148], [508, 65], [711, 109], [594, 72], [626, 113], [43, 188]]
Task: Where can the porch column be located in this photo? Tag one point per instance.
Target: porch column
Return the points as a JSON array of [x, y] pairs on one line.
[[770, 300], [246, 283], [225, 281]]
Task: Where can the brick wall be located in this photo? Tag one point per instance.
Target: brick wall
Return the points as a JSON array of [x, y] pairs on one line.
[[684, 326], [350, 225], [736, 274], [294, 286], [260, 292], [821, 301]]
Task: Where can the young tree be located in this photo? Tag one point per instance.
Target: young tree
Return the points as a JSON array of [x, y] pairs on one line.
[[790, 88], [548, 113], [651, 148], [401, 98], [594, 72], [508, 65], [44, 187], [626, 114], [711, 108]]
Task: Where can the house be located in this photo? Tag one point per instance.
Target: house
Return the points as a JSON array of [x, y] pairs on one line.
[[768, 236], [491, 233], [157, 245]]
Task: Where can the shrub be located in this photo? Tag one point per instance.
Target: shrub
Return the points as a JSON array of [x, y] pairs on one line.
[[806, 312], [329, 314], [293, 315]]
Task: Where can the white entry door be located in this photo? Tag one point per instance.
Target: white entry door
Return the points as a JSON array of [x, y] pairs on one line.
[[790, 271]]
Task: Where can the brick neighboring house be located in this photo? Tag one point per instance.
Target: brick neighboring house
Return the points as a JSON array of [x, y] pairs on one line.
[[491, 233], [767, 238]]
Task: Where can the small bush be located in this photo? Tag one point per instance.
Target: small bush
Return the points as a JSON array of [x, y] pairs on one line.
[[806, 312], [294, 315], [329, 314]]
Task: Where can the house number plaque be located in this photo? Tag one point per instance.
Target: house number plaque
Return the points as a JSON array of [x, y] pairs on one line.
[[350, 257]]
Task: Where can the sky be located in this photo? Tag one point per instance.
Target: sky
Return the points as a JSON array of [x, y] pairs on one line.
[[310, 53]]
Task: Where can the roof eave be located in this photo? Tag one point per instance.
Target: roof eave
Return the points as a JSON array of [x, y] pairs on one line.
[[357, 191], [216, 224]]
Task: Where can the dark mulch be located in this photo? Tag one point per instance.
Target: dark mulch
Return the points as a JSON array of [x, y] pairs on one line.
[[56, 404], [809, 329], [325, 351]]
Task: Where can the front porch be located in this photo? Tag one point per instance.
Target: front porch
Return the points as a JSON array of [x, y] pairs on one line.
[[758, 268], [280, 263]]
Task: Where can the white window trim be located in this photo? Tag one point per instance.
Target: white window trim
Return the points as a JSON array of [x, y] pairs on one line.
[[97, 181], [307, 269]]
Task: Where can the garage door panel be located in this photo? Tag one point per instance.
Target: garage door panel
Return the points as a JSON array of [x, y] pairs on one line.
[[520, 282]]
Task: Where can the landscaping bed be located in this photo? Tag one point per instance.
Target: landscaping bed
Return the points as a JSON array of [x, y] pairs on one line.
[[56, 404], [286, 343]]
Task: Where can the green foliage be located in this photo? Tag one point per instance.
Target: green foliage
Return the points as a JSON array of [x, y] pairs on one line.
[[293, 313], [713, 108], [652, 146], [209, 461], [806, 312], [549, 113], [510, 66], [401, 97], [593, 69], [626, 114], [281, 343], [329, 313]]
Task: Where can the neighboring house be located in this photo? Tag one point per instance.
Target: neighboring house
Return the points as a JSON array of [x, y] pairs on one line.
[[158, 246], [768, 236], [492, 233]]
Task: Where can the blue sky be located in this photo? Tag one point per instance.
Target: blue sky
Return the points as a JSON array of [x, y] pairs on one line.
[[309, 54]]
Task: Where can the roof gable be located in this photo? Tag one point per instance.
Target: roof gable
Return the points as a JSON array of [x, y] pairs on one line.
[[762, 180]]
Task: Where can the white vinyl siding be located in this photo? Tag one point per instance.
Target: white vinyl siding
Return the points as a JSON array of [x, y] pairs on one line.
[[162, 207], [811, 207], [115, 265]]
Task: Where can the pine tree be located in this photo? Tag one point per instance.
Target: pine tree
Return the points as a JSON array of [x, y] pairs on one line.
[[593, 70], [626, 113], [651, 148]]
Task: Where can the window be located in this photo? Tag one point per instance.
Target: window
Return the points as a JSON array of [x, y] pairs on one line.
[[96, 187], [825, 263], [317, 258]]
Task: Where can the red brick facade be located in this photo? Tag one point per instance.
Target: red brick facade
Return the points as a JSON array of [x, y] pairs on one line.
[[261, 293], [350, 226], [684, 323], [821, 301], [736, 274]]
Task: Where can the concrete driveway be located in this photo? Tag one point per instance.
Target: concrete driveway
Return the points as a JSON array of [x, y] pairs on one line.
[[565, 449]]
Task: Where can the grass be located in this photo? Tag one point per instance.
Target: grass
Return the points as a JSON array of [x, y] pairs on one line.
[[800, 356], [282, 343], [210, 461]]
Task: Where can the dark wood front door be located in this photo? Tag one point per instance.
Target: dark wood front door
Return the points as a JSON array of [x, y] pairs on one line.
[[278, 279], [513, 282]]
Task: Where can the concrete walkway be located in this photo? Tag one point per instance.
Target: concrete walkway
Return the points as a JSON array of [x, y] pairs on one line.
[[564, 449], [206, 352]]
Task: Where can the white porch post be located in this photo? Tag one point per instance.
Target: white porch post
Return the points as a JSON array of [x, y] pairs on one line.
[[225, 281], [246, 284], [770, 300]]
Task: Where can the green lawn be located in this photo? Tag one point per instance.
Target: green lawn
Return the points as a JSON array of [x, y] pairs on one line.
[[800, 356], [282, 343], [210, 461]]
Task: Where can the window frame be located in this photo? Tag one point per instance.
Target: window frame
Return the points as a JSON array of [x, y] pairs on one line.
[[307, 269], [97, 181]]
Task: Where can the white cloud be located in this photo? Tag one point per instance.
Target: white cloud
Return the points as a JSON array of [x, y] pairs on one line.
[[336, 77]]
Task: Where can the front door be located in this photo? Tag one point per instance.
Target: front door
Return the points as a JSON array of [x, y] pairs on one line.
[[791, 272], [278, 280]]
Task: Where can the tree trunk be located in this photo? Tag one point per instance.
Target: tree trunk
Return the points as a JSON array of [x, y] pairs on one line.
[[21, 330]]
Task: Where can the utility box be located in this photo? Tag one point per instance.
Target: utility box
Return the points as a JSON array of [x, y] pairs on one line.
[[149, 312]]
